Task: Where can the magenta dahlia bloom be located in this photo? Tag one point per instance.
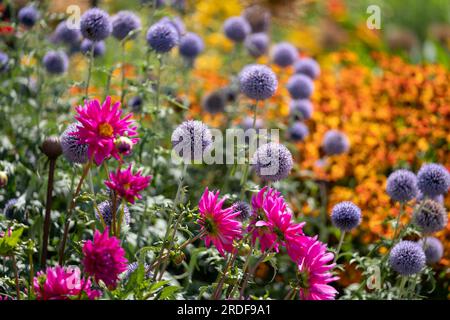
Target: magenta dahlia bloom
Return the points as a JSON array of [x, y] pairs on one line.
[[60, 283], [100, 126], [222, 226], [126, 184], [104, 258]]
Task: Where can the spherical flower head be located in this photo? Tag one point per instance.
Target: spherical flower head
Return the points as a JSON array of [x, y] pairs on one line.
[[105, 209], [73, 150], [95, 25], [127, 184], [176, 23], [214, 102], [99, 126], [402, 185], [433, 179], [258, 82], [298, 132], [51, 147], [346, 216], [430, 216], [162, 37], [99, 47], [307, 66], [104, 258], [56, 62], [433, 248], [191, 139], [28, 16], [300, 86], [272, 162], [257, 44], [135, 103], [66, 35], [244, 210], [335, 142], [236, 29], [191, 45], [123, 23], [284, 54], [10, 208], [407, 258], [221, 226], [124, 145], [61, 283], [300, 109], [3, 62]]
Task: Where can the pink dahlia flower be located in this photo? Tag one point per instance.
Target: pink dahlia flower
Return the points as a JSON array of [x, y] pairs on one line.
[[221, 225], [99, 127], [104, 258], [126, 184], [58, 283]]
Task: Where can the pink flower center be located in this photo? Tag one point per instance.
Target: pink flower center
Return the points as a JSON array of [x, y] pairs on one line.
[[105, 130]]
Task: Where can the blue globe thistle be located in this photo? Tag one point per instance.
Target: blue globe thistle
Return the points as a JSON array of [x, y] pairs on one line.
[[300, 86], [123, 23], [258, 82], [132, 267], [301, 109], [244, 209], [3, 61], [438, 198], [105, 209], [73, 151], [298, 132], [335, 142], [257, 44], [99, 47], [95, 25], [214, 102], [28, 16], [433, 179], [407, 258], [191, 45], [284, 54], [56, 62], [191, 139], [162, 37], [135, 103], [307, 66], [402, 185], [10, 209], [346, 216], [66, 35], [236, 29], [272, 162], [434, 250], [177, 23], [430, 216]]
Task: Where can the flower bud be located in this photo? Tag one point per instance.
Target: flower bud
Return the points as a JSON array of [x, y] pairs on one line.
[[124, 145], [52, 147], [244, 250], [178, 257], [3, 179]]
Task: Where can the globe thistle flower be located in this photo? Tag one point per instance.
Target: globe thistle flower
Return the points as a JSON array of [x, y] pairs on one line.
[[300, 109], [272, 162], [132, 267], [298, 132], [191, 139], [236, 29], [433, 179], [135, 103], [307, 66], [162, 37], [244, 210], [95, 25], [220, 225], [402, 185], [126, 184], [214, 102], [56, 62], [284, 54], [61, 283], [105, 208], [191, 45], [300, 86], [28, 16], [346, 216], [433, 248], [99, 126], [123, 23], [258, 82], [10, 208], [430, 216], [66, 35], [335, 142], [3, 62], [407, 258], [73, 150], [104, 258], [258, 17], [257, 44], [99, 47], [420, 196], [176, 23]]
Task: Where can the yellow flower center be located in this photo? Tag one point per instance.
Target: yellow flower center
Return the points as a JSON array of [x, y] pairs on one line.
[[105, 129], [126, 186]]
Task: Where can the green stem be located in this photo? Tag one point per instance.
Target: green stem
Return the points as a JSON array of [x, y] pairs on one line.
[[338, 249], [402, 286], [91, 64], [122, 85], [16, 276], [247, 163]]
